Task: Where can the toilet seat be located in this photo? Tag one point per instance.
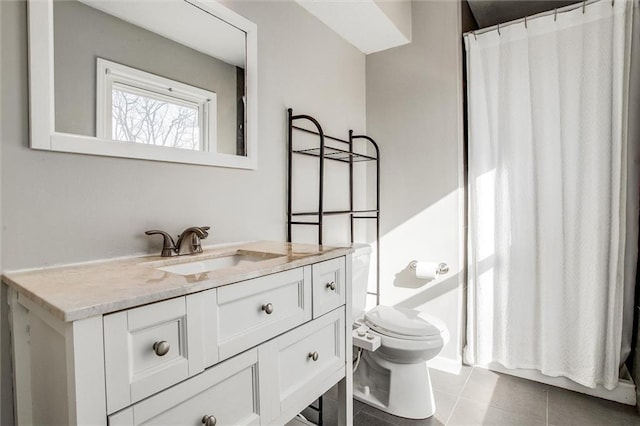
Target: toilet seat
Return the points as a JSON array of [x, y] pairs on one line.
[[403, 323]]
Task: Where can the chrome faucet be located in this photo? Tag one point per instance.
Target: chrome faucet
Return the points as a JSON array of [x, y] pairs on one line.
[[189, 241]]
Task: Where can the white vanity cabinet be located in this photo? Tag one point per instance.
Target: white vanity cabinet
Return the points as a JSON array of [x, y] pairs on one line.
[[254, 352], [306, 357], [329, 286], [227, 393], [256, 310], [155, 346]]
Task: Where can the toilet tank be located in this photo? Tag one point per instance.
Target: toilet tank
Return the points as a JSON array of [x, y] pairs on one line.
[[360, 278]]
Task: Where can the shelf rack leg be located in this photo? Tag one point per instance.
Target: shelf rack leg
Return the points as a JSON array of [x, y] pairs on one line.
[[290, 175]]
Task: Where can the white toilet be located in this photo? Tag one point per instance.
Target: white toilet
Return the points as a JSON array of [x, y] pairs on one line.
[[394, 378]]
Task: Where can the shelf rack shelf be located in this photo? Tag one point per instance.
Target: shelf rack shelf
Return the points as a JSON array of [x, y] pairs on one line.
[[345, 155]]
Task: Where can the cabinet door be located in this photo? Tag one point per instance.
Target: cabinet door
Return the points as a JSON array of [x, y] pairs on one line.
[[256, 310], [152, 347], [329, 286], [308, 355], [228, 392]]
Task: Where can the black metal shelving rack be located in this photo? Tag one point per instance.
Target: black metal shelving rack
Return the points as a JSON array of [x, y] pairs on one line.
[[346, 156]]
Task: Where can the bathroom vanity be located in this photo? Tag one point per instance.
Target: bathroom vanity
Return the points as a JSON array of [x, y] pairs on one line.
[[244, 334]]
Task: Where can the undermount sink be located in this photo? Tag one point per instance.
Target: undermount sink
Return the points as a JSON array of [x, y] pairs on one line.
[[220, 262]]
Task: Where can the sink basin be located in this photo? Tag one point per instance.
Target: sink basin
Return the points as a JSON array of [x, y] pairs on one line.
[[215, 263]]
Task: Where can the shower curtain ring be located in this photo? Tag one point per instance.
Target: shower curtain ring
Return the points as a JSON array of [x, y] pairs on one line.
[[499, 29], [474, 35], [525, 21], [584, 4], [555, 15]]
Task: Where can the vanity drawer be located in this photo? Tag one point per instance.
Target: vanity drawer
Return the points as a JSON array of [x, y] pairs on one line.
[[228, 392], [150, 348], [308, 355], [329, 286], [256, 310]]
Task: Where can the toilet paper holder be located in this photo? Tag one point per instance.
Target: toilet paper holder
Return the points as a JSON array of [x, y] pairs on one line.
[[441, 269]]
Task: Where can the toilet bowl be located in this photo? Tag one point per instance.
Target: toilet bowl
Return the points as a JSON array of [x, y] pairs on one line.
[[394, 378]]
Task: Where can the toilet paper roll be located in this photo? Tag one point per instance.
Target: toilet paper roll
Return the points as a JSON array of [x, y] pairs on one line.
[[429, 270]]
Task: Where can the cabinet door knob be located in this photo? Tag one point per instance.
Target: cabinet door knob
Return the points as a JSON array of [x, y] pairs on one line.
[[161, 348], [313, 355], [209, 420], [267, 308], [331, 286]]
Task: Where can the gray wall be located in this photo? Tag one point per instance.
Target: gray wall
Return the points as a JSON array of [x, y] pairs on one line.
[[6, 396], [633, 156], [58, 208], [414, 110], [83, 34]]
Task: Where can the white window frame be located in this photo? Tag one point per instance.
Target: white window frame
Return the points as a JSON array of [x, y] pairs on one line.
[[110, 74]]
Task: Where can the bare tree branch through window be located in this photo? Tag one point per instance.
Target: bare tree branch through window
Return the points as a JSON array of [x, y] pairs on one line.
[[147, 120]]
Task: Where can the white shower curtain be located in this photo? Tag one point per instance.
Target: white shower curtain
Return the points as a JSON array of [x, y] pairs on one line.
[[548, 199]]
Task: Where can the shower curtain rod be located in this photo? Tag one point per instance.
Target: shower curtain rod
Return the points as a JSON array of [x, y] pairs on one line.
[[555, 12]]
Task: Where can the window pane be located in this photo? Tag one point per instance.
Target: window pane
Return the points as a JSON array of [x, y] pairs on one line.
[[145, 119]]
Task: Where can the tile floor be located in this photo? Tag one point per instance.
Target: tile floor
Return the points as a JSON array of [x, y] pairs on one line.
[[481, 397]]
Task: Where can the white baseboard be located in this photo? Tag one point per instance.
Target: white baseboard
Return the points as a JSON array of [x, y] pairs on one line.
[[447, 365], [624, 393]]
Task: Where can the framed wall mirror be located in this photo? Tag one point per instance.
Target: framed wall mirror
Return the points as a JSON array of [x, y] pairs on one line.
[[164, 80]]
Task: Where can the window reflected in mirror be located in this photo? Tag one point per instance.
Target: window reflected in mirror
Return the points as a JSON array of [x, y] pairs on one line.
[[137, 106]]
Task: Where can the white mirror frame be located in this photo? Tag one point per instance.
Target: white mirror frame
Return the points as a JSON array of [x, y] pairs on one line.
[[42, 104]]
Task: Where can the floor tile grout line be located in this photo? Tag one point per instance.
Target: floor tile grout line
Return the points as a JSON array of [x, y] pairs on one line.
[[547, 410], [459, 396]]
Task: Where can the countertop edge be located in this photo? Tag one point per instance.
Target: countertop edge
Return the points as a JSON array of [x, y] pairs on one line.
[[71, 315]]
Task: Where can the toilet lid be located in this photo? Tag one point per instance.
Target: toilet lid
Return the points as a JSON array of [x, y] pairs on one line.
[[403, 321]]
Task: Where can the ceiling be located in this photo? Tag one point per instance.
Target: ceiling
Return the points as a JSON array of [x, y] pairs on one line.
[[375, 25], [492, 12], [369, 25]]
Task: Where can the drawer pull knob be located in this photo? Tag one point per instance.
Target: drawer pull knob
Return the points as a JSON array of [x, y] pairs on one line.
[[313, 355], [161, 348], [331, 286], [267, 308], [209, 420]]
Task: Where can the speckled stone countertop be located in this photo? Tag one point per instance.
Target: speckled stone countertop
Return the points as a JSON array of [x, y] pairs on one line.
[[80, 291]]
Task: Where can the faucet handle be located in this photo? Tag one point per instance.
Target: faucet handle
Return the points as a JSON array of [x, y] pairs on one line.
[[204, 231], [189, 240], [199, 231], [196, 245], [168, 245]]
